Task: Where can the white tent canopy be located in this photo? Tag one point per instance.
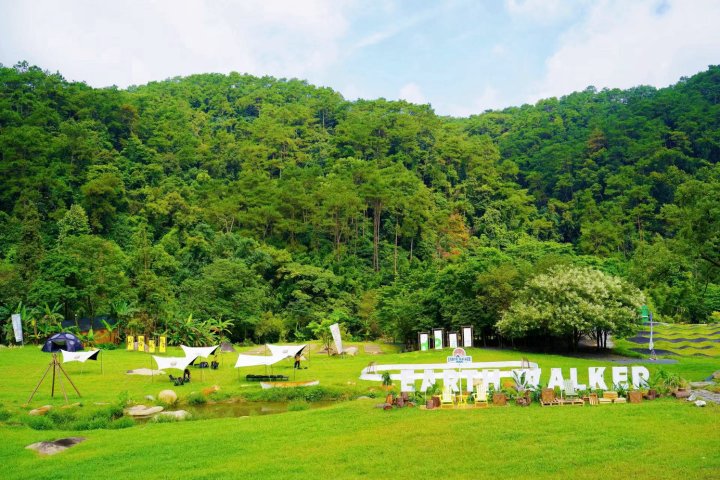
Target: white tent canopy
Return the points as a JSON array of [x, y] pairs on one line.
[[199, 352], [180, 363], [255, 360], [79, 356], [285, 351]]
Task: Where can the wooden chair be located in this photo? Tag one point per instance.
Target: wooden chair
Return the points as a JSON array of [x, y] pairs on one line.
[[481, 395], [447, 398], [548, 398], [570, 394]]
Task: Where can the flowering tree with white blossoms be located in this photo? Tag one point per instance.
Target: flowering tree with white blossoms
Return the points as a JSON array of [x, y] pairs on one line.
[[572, 302]]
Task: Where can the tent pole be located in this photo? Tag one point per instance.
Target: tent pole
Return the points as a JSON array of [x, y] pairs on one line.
[[62, 387], [54, 363], [40, 382], [69, 379]]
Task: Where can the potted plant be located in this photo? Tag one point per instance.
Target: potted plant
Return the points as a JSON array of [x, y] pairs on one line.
[[634, 396], [432, 392], [387, 381]]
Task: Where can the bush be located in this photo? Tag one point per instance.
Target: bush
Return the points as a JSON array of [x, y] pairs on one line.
[[298, 406], [308, 394], [4, 415], [38, 423], [123, 422], [196, 398]]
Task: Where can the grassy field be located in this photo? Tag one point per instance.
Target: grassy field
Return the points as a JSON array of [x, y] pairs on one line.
[[677, 339], [661, 439]]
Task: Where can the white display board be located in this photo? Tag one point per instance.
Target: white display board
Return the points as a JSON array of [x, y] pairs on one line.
[[467, 337], [452, 340], [424, 342], [438, 337]]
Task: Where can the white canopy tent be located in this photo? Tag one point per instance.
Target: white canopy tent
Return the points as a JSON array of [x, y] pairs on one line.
[[199, 352], [179, 363], [256, 360], [285, 351], [82, 357]]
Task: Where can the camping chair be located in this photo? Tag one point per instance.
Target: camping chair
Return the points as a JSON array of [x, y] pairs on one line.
[[547, 398], [447, 397], [177, 381], [571, 396], [481, 394]]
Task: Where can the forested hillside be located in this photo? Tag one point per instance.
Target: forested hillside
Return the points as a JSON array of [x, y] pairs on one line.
[[268, 208]]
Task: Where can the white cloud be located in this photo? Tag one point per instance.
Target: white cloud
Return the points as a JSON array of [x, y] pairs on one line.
[[489, 99], [623, 44], [137, 41], [412, 93], [542, 11]]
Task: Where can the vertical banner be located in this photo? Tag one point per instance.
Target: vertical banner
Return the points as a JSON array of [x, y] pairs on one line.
[[438, 336], [141, 343], [335, 330], [151, 346], [163, 343], [130, 342], [467, 337], [453, 340], [17, 327], [424, 342]]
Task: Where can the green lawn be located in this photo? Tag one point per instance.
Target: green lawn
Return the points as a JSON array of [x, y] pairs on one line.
[[678, 339], [660, 439]]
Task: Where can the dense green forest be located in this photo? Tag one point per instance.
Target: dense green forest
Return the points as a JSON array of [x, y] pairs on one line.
[[266, 209]]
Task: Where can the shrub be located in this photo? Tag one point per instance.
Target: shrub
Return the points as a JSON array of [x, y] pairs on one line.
[[38, 423], [298, 406], [123, 422], [196, 398]]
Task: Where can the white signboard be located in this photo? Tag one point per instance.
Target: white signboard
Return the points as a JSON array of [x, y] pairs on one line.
[[335, 330], [452, 340], [424, 342], [438, 335], [17, 327], [456, 373], [467, 337]]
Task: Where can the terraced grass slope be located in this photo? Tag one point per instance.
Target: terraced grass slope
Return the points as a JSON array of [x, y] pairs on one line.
[[678, 339]]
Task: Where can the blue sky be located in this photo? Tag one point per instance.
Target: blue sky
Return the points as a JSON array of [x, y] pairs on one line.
[[461, 56]]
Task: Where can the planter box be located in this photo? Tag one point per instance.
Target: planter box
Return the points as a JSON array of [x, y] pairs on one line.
[[651, 394], [681, 393], [499, 399], [436, 401], [635, 396]]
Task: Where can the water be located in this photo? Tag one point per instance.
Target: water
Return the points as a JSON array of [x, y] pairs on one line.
[[245, 409]]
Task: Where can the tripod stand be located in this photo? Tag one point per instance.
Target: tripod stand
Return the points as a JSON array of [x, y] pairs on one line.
[[55, 364]]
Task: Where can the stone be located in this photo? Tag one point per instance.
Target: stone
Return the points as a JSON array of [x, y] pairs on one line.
[[351, 351], [40, 411], [700, 384], [700, 403], [168, 396], [141, 411], [176, 414], [691, 398], [716, 375], [51, 448]]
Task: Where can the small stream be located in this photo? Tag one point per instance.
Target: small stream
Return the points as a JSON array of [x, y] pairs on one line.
[[245, 409]]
